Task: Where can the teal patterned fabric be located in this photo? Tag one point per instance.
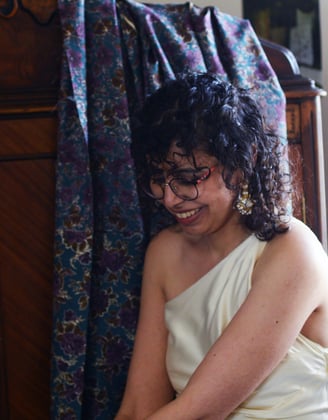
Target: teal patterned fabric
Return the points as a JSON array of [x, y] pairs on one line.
[[114, 54]]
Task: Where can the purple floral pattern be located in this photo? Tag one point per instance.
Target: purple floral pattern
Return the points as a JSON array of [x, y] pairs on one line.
[[114, 54]]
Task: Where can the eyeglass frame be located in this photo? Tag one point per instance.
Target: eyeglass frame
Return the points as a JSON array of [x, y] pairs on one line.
[[195, 183]]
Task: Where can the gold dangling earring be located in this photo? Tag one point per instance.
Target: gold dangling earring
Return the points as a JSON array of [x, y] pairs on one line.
[[244, 203]]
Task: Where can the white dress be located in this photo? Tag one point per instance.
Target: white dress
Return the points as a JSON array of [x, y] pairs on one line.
[[296, 389]]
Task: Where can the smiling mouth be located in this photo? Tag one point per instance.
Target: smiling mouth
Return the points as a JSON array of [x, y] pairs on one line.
[[186, 214]]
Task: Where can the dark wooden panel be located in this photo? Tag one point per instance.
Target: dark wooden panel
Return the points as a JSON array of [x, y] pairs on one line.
[[28, 137], [30, 57], [313, 167], [304, 128], [26, 260], [296, 167], [30, 53]]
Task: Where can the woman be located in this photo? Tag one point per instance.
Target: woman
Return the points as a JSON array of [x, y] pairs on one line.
[[234, 307]]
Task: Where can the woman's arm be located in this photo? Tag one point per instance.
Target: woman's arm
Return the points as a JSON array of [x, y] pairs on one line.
[[289, 283], [148, 387]]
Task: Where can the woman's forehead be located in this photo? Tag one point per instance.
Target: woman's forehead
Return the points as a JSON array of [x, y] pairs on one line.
[[178, 157]]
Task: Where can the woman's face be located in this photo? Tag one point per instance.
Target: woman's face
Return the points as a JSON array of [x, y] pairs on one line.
[[213, 207]]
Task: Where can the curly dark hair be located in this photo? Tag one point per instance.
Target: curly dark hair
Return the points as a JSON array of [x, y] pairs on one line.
[[204, 112]]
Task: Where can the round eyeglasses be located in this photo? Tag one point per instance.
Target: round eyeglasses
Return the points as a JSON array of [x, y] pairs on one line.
[[184, 185]]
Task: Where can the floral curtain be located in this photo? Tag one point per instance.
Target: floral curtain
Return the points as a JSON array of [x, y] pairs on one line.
[[114, 54]]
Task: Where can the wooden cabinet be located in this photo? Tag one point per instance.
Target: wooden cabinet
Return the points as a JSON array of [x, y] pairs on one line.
[[305, 139], [306, 157], [30, 52], [27, 166]]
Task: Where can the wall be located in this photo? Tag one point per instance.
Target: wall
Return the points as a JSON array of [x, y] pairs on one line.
[[324, 80], [233, 7]]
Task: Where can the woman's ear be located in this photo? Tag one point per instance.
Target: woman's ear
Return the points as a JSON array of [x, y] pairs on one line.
[[238, 178]]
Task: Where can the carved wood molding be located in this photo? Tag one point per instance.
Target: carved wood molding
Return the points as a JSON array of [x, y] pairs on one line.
[[41, 10], [8, 8], [25, 102]]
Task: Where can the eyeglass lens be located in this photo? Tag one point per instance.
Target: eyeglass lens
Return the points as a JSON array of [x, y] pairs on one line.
[[184, 187]]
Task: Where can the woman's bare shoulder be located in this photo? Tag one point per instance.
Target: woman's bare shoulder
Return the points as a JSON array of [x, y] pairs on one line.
[[165, 242], [163, 254], [298, 240], [295, 252]]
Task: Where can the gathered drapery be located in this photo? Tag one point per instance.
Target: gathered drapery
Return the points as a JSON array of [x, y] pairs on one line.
[[114, 54]]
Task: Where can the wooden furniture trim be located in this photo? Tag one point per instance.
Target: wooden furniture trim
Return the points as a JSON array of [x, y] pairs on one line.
[[304, 121]]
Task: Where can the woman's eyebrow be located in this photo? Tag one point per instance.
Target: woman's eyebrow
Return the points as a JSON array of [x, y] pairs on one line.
[[182, 171]]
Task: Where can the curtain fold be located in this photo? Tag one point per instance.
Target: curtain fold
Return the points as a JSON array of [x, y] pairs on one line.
[[114, 54]]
